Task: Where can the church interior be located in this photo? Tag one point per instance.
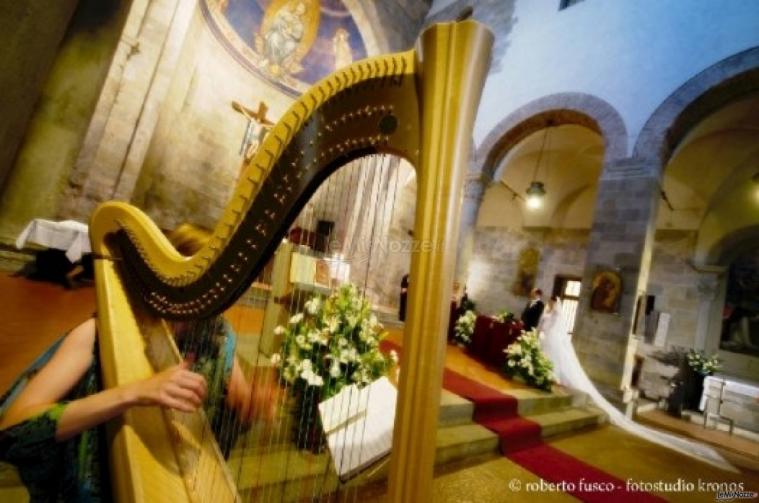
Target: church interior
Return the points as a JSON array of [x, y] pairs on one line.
[[414, 250]]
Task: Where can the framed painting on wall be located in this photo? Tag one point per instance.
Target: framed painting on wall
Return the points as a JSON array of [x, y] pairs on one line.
[[527, 271], [607, 292]]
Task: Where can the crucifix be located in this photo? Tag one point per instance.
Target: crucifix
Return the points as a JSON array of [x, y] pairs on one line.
[[255, 130]]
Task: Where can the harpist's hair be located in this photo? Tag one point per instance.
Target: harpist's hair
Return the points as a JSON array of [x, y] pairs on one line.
[[188, 239]]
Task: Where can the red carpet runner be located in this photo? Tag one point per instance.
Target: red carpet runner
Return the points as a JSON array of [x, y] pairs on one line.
[[520, 441]]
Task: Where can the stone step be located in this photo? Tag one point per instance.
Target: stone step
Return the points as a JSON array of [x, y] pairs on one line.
[[535, 401], [276, 469], [286, 474], [454, 410], [568, 419], [463, 441]]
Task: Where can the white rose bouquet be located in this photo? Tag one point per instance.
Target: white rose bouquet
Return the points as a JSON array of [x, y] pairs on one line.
[[702, 364], [462, 332], [525, 359], [334, 342]]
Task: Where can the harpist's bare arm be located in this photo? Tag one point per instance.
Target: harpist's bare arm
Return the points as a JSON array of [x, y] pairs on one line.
[[175, 387]]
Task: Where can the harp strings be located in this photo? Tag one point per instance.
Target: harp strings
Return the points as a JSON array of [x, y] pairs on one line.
[[268, 459], [376, 171]]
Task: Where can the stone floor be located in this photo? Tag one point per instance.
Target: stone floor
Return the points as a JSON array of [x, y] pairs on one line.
[[625, 456], [737, 448]]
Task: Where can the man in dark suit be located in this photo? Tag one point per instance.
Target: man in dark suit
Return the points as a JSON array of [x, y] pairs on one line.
[[534, 310], [404, 295]]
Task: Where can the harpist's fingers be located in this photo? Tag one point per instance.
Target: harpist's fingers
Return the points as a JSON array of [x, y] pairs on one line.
[[199, 379], [193, 382], [177, 404], [185, 395]]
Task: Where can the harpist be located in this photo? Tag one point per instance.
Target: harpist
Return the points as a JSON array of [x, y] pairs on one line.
[[50, 419]]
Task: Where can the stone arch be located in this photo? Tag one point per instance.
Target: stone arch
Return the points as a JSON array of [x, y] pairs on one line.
[[699, 97], [729, 246], [557, 109]]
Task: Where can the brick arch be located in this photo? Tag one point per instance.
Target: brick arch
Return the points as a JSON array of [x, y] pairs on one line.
[[699, 97], [556, 109]]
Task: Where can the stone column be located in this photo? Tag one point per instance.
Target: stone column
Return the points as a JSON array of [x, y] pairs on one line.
[[30, 35], [621, 240], [127, 112], [474, 191]]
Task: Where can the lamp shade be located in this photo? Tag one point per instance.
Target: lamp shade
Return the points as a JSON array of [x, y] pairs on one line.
[[535, 193]]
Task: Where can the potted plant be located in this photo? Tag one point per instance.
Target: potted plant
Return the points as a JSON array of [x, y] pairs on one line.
[[675, 357], [334, 342], [525, 361], [699, 366]]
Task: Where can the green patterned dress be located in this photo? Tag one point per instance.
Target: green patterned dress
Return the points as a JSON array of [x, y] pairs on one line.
[[76, 470]]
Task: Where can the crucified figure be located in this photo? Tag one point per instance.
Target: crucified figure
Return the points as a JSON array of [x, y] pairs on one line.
[[255, 130]]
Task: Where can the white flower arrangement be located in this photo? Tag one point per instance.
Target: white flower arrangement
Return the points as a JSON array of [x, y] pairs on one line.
[[462, 332], [702, 364], [332, 343], [504, 316], [525, 359]]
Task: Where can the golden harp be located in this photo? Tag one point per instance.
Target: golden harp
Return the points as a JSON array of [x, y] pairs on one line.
[[418, 105]]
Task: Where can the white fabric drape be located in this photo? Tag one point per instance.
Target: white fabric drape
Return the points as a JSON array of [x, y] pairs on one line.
[[68, 235], [557, 346]]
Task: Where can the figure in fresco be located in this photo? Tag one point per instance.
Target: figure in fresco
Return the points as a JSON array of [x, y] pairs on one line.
[[289, 43], [342, 48], [282, 37]]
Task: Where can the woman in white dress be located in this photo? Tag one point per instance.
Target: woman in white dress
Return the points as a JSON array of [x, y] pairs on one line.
[[557, 347], [554, 338]]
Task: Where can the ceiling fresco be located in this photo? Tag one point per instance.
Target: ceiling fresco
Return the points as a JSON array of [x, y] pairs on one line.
[[290, 43]]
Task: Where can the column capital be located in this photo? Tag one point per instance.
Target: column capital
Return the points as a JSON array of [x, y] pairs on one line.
[[475, 185]]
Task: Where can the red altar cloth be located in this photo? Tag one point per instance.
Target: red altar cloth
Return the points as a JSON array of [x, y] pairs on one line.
[[491, 337]]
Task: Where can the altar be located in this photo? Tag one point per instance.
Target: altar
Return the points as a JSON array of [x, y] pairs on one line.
[[298, 273], [491, 337], [66, 258], [732, 398], [69, 236]]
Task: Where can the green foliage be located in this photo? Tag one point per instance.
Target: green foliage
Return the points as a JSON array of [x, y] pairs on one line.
[[467, 305], [504, 316]]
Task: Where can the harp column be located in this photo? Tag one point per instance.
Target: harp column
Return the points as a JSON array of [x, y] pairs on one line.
[[454, 59]]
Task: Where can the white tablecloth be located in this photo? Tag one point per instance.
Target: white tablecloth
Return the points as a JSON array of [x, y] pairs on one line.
[[733, 384], [69, 235]]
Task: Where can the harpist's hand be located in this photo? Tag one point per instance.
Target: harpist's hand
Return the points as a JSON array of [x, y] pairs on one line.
[[257, 398], [175, 387]]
